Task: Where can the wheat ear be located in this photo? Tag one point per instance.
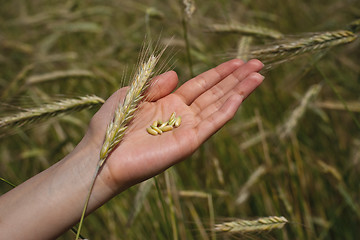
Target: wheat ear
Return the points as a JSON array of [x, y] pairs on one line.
[[243, 47], [60, 75], [124, 113], [299, 111], [50, 110], [243, 226], [246, 29], [317, 41]]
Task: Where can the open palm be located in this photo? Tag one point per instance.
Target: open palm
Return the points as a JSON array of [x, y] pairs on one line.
[[205, 104]]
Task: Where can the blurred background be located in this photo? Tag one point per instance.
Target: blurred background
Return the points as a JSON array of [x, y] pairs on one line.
[[292, 150]]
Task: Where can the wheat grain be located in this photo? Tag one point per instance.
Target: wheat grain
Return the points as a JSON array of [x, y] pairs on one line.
[[151, 131], [158, 130], [172, 117], [166, 128], [158, 126], [243, 226], [50, 110], [177, 122]]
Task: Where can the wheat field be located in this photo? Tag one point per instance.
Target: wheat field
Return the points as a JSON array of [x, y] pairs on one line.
[[286, 167]]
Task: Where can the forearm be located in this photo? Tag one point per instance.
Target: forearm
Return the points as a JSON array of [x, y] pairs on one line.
[[52, 201]]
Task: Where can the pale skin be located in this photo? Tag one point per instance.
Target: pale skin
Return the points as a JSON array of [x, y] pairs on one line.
[[52, 201]]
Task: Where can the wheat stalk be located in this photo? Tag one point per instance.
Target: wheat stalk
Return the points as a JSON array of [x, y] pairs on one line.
[[300, 46], [124, 113], [243, 226], [50, 110]]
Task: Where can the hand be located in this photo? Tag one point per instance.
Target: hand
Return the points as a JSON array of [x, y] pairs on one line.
[[205, 104]]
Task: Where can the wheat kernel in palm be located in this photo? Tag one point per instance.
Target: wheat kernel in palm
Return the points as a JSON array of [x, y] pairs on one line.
[[152, 131], [172, 116], [172, 122], [163, 125], [158, 130], [155, 123], [177, 122], [166, 128]]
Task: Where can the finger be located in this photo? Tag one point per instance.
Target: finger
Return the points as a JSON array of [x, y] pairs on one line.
[[224, 87], [244, 88], [253, 65], [193, 88], [162, 85], [215, 121]]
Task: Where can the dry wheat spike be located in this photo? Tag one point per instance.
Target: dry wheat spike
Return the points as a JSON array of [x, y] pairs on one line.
[[290, 124], [124, 113], [246, 29], [59, 75], [243, 226], [50, 110], [303, 45]]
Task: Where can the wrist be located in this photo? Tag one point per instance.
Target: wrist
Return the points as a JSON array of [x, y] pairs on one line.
[[83, 162]]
